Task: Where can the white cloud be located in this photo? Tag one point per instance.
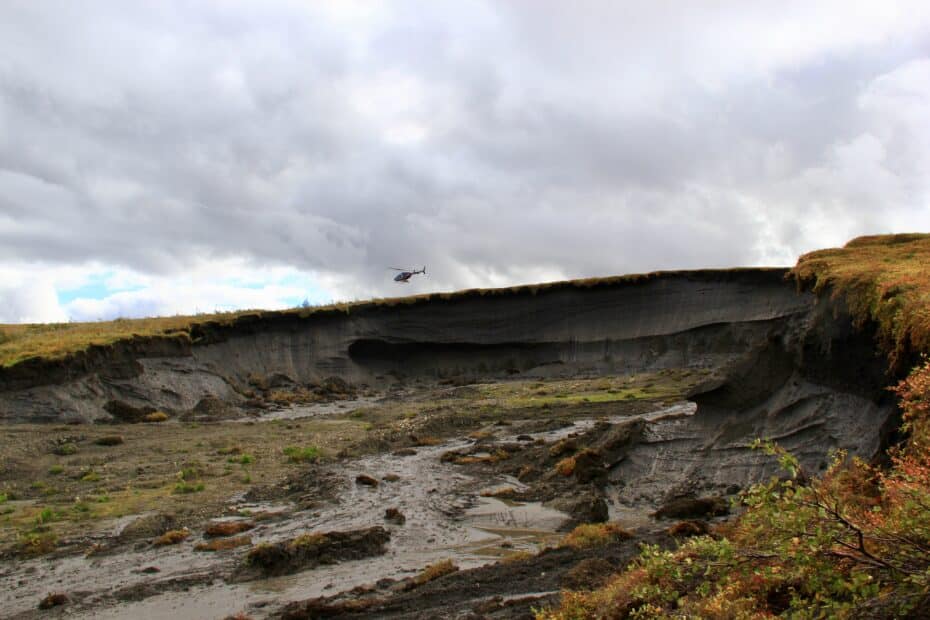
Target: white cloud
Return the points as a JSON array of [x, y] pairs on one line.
[[495, 142]]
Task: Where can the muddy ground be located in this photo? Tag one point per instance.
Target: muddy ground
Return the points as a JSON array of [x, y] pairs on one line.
[[285, 512]]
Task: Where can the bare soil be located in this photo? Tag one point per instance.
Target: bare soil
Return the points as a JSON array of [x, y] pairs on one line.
[[80, 506]]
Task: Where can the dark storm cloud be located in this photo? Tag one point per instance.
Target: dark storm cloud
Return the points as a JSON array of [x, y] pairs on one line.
[[496, 142]]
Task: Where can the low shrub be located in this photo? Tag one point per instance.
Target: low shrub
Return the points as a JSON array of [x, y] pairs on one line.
[[186, 487], [302, 455]]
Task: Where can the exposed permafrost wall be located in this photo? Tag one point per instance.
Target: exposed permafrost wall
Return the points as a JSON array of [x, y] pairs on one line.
[[786, 365]]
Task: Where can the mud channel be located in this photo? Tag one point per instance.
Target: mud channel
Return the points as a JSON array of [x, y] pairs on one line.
[[449, 513]]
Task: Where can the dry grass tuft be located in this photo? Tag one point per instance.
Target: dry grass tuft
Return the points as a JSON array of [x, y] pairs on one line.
[[594, 534], [224, 544], [171, 538], [155, 417], [435, 571]]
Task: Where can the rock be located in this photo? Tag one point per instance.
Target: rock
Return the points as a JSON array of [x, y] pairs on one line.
[[335, 386], [366, 480], [693, 508], [526, 473], [684, 529], [395, 516], [390, 477], [148, 526], [586, 509], [405, 452], [614, 442], [124, 412], [109, 440], [279, 380], [211, 408], [588, 574], [311, 550], [563, 447], [172, 537], [227, 528], [524, 438], [589, 467], [55, 599]]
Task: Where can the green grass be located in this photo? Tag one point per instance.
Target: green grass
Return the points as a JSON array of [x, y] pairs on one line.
[[885, 279], [183, 488], [302, 455]]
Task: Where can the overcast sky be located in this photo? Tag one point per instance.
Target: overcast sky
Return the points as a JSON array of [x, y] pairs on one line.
[[174, 157]]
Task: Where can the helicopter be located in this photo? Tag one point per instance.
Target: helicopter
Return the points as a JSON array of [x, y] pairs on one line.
[[405, 274]]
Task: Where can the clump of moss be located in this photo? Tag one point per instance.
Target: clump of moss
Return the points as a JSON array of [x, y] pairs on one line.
[[171, 537], [307, 454], [227, 528], [435, 571], [885, 279], [65, 449], [184, 488], [594, 534], [566, 466], [155, 417]]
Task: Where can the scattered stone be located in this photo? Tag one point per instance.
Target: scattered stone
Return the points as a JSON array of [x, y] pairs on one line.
[[223, 544], [55, 599], [227, 528], [405, 452], [366, 480], [395, 516], [693, 508], [148, 526], [312, 550], [524, 438], [150, 570], [391, 478]]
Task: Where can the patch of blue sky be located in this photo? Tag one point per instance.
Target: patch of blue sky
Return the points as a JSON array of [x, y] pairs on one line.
[[97, 286]]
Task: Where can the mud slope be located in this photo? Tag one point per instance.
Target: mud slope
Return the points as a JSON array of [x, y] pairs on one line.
[[781, 362]]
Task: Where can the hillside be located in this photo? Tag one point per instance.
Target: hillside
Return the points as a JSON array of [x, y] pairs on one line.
[[718, 443]]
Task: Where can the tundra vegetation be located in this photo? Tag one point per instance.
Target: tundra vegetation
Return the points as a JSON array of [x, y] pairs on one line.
[[854, 541]]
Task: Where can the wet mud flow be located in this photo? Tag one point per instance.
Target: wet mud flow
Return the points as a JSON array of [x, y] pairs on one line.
[[445, 518]]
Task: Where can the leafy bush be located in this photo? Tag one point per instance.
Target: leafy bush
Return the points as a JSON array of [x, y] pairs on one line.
[[855, 541]]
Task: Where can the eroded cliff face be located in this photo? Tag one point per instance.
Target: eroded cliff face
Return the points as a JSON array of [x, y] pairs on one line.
[[783, 364]]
